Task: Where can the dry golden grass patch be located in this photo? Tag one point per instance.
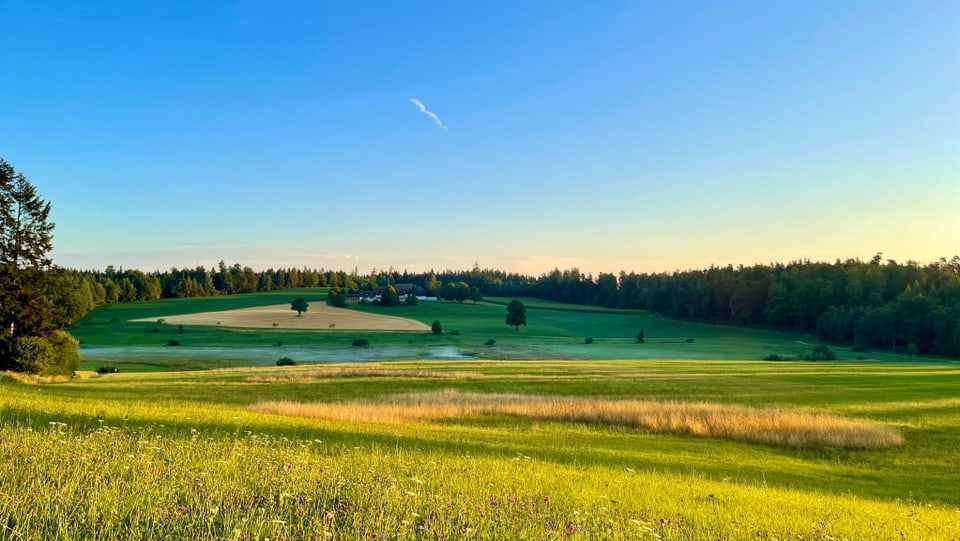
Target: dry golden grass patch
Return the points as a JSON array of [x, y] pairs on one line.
[[319, 316], [31, 378], [315, 375], [772, 426]]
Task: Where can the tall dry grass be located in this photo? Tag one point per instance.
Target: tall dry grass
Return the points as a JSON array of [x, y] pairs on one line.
[[21, 377], [773, 426], [315, 375]]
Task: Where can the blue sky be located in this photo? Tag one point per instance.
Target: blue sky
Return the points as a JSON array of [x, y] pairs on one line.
[[604, 135]]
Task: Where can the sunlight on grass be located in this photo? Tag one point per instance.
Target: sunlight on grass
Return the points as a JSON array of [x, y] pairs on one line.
[[315, 375], [120, 483], [773, 426]]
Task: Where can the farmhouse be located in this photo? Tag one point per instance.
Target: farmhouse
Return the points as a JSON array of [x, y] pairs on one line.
[[403, 290]]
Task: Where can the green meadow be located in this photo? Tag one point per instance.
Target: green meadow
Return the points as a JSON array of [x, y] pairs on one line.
[[211, 440], [553, 331], [185, 455]]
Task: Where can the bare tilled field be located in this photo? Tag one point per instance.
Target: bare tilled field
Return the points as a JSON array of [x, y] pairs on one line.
[[319, 316]]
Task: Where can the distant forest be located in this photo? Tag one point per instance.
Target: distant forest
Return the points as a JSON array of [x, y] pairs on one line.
[[881, 304]]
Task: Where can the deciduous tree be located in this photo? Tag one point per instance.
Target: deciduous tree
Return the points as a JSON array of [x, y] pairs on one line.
[[516, 314], [300, 305]]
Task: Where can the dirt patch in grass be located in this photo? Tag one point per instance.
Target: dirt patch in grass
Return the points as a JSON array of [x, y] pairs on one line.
[[318, 316], [772, 426]]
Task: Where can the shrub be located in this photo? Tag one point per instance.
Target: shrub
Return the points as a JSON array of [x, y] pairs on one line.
[[640, 337], [33, 354], [455, 332], [820, 353], [490, 342], [774, 357], [360, 342], [285, 361], [107, 369], [56, 354], [588, 340], [436, 328], [411, 300], [689, 340], [173, 342], [825, 352], [66, 353], [156, 329]]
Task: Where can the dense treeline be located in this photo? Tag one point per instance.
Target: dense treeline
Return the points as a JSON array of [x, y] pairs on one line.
[[896, 306], [909, 307]]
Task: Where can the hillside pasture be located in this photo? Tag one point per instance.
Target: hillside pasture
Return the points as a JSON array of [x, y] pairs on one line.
[[319, 316], [132, 334]]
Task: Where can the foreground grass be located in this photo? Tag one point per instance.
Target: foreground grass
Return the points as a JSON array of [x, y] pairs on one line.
[[114, 483], [181, 455]]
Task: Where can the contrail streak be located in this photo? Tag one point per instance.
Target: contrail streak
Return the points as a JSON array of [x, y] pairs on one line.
[[424, 110]]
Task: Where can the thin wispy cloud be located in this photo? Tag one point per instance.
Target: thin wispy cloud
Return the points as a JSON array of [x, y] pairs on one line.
[[429, 113]]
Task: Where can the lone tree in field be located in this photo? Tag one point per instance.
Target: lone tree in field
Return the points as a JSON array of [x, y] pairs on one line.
[[300, 305], [29, 340], [436, 328], [640, 337], [516, 314]]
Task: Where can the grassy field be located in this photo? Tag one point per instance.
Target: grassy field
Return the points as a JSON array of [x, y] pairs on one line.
[[553, 331], [191, 454]]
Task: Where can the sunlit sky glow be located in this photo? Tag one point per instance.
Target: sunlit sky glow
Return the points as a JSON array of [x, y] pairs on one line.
[[643, 136]]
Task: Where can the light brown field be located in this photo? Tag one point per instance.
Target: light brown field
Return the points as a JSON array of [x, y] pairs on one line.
[[319, 316], [728, 421]]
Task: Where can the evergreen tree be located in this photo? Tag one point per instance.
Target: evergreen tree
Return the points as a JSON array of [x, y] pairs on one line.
[[28, 339], [26, 238]]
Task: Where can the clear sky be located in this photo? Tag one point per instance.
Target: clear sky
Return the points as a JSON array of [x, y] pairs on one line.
[[630, 135]]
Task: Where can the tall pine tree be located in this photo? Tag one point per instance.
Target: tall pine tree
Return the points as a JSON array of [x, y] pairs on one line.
[[26, 237]]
